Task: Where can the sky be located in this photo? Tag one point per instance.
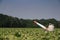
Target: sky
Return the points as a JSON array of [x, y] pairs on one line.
[[31, 9]]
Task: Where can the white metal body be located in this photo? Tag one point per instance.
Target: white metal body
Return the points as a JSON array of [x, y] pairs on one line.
[[50, 27]]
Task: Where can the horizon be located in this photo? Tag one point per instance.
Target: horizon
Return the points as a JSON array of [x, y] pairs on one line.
[[31, 19]]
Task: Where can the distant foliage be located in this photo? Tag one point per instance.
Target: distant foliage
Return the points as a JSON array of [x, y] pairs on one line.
[[9, 21]]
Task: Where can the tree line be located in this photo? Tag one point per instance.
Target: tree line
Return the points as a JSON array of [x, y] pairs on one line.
[[14, 22]]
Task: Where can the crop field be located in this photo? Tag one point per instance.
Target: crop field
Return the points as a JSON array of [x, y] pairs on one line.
[[28, 34]]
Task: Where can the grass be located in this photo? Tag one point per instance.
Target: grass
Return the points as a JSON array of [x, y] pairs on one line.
[[28, 34]]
